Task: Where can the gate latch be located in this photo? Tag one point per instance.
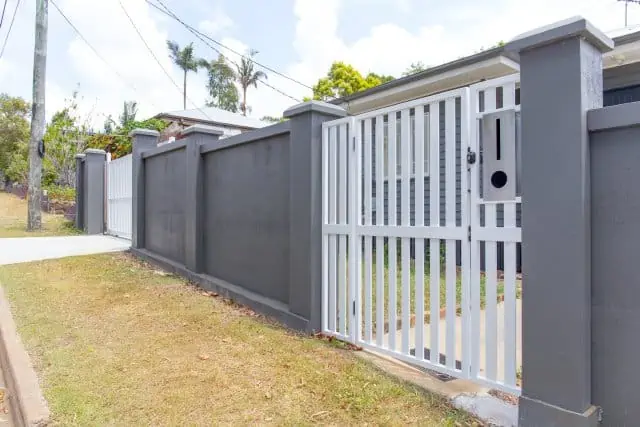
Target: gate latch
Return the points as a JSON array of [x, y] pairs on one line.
[[471, 156]]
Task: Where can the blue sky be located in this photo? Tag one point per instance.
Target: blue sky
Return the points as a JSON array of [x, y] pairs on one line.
[[297, 37]]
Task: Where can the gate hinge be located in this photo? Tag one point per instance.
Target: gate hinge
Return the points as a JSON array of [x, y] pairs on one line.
[[469, 232], [353, 143]]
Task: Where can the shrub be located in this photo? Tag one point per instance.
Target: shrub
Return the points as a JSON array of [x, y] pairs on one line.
[[61, 194]]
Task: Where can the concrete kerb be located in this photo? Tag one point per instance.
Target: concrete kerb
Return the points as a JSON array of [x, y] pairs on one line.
[[464, 395], [27, 404]]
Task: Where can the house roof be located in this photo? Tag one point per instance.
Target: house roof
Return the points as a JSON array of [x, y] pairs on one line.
[[620, 37], [214, 116]]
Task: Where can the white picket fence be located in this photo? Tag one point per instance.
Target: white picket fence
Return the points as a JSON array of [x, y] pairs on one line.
[[405, 281], [119, 196]]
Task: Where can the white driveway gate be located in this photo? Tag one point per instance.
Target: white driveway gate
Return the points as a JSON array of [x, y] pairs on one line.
[[119, 196], [435, 286]]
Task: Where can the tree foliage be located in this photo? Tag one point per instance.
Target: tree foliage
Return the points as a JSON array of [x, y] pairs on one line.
[[415, 67], [223, 92], [118, 142], [14, 131], [129, 112], [343, 79], [185, 59], [248, 76]]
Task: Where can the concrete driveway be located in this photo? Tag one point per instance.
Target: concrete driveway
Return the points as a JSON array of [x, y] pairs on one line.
[[27, 249]]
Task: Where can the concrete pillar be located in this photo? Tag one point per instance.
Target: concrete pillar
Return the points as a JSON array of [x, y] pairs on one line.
[[142, 140], [79, 191], [561, 78], [195, 136], [93, 192], [305, 204]]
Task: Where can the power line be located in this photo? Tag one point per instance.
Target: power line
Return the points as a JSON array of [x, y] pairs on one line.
[[158, 61], [201, 36], [231, 50], [94, 50], [13, 18], [3, 9]]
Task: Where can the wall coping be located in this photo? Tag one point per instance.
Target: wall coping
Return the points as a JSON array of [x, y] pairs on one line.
[[575, 26], [315, 106], [615, 116], [246, 137], [144, 132], [209, 130]]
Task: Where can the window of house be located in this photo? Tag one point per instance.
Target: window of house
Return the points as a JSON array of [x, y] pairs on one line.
[[412, 144]]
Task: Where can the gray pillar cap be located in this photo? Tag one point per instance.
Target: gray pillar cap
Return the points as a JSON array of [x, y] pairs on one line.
[[94, 151], [316, 106], [144, 132], [80, 156], [568, 28], [209, 130]]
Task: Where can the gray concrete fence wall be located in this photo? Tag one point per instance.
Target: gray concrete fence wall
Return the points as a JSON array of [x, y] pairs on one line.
[[239, 216], [615, 242]]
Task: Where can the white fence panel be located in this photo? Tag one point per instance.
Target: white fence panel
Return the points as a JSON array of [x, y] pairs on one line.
[[119, 197]]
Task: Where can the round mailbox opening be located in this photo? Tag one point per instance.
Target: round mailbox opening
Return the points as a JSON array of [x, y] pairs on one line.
[[499, 179]]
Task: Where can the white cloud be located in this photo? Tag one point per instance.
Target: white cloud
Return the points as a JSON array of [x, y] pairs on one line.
[[218, 23]]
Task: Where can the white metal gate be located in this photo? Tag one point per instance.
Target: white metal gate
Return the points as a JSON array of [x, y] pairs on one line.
[[421, 285], [119, 196]]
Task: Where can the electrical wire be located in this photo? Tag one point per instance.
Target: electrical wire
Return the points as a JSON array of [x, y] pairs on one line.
[[3, 10], [157, 60], [83, 38], [13, 18], [202, 37], [173, 15]]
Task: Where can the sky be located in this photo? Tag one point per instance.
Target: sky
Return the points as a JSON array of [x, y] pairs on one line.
[[299, 38]]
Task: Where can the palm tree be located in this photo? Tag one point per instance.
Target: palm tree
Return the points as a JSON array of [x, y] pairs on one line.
[[248, 77], [185, 59]]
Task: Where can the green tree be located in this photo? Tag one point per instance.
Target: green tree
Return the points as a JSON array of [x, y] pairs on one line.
[[129, 112], [248, 76], [415, 67], [271, 119], [223, 92], [14, 131], [343, 79], [186, 60]]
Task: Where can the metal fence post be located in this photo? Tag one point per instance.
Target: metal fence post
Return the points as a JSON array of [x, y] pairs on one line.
[[305, 204], [196, 136], [561, 78], [143, 139]]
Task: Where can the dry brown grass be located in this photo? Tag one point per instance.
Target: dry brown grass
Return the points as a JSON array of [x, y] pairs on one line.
[[13, 220], [116, 343]]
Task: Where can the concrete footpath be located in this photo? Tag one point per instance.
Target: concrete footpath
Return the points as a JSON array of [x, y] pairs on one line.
[[26, 249]]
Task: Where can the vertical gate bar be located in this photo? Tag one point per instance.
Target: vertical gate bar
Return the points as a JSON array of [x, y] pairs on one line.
[[509, 285], [342, 219], [465, 121], [491, 260], [510, 304], [405, 168], [393, 220], [474, 248], [450, 217], [434, 221], [333, 190], [368, 246], [325, 221], [419, 161], [354, 241], [379, 167]]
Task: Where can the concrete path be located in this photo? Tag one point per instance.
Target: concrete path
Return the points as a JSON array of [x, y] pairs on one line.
[[26, 249]]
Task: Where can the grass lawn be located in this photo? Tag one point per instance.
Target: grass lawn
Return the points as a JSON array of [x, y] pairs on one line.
[[13, 220], [116, 343]]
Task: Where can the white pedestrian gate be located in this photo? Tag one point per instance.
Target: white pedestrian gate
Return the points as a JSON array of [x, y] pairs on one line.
[[435, 286], [119, 196]]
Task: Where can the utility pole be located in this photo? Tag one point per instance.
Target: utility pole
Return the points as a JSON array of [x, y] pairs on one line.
[[36, 145], [626, 9]]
